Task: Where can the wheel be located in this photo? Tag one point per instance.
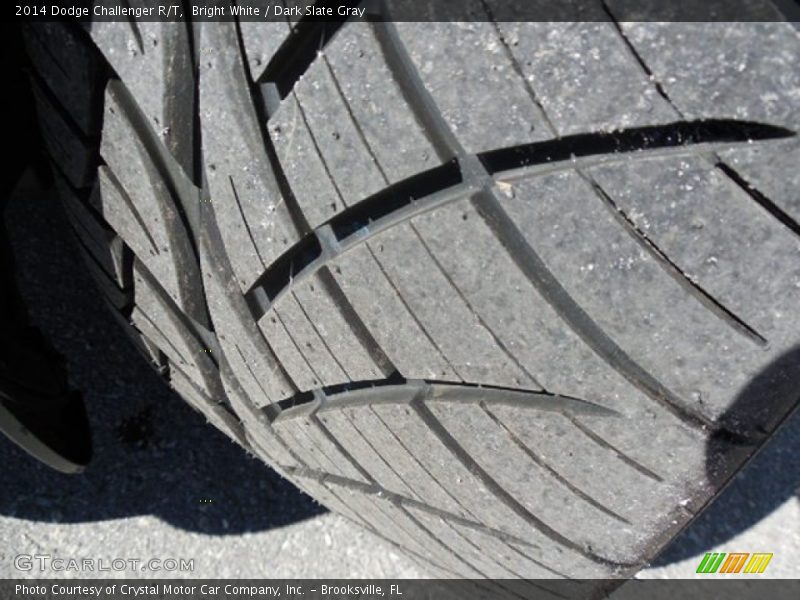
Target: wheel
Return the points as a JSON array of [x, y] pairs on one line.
[[519, 297]]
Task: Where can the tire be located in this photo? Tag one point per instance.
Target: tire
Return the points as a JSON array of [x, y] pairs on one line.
[[519, 298]]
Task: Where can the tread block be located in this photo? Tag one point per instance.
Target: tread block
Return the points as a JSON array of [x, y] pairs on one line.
[[771, 170], [258, 430], [302, 447], [389, 321], [118, 298], [497, 559], [754, 65], [337, 333], [577, 458], [339, 141], [307, 339], [442, 312], [309, 429], [316, 489], [527, 561], [261, 40], [154, 62], [74, 155], [544, 494], [688, 209], [389, 127], [136, 200], [631, 298], [177, 354], [250, 356], [253, 217], [474, 85], [102, 243], [478, 502], [404, 530], [158, 320], [476, 557], [70, 69], [302, 373], [120, 212], [584, 76], [751, 75], [209, 408], [424, 487], [305, 171], [532, 330], [340, 426]]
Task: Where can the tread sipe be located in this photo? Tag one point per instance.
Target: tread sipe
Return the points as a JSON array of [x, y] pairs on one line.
[[519, 297]]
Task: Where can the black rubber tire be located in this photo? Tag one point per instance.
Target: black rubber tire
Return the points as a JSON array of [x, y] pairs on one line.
[[520, 298]]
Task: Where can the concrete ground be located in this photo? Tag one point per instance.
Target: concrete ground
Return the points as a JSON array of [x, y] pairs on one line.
[[164, 484]]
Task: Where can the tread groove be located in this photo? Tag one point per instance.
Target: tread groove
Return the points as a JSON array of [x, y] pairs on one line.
[[319, 335], [250, 370], [129, 203], [713, 305], [311, 369], [502, 495], [534, 268], [555, 474], [302, 47], [754, 193], [301, 224], [356, 324], [357, 393], [337, 444], [412, 314], [421, 466], [359, 130], [763, 201], [445, 144], [474, 313], [373, 490], [244, 220], [620, 454], [447, 183]]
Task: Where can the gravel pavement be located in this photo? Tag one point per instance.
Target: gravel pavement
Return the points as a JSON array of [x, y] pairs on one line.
[[164, 484]]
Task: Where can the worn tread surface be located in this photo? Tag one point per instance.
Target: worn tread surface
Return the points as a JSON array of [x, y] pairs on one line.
[[487, 291]]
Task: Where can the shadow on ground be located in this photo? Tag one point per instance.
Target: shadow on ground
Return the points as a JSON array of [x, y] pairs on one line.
[[769, 480], [153, 455]]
